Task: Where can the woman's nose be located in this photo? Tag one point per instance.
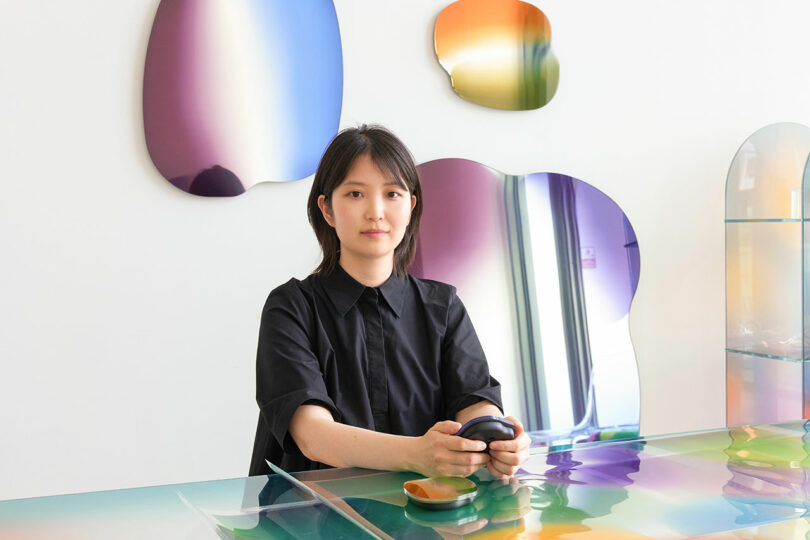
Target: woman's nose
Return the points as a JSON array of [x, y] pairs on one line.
[[374, 211]]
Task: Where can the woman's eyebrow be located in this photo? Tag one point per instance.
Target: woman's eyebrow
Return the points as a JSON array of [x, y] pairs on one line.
[[363, 184]]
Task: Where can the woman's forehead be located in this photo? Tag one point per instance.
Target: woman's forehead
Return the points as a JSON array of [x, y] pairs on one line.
[[365, 170]]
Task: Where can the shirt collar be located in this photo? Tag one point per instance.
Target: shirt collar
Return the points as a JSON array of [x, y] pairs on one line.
[[393, 290], [345, 291]]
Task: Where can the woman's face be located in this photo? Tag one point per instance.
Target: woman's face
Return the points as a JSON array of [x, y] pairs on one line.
[[370, 212]]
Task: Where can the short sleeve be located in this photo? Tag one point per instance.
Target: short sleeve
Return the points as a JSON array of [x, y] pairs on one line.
[[465, 373], [288, 373]]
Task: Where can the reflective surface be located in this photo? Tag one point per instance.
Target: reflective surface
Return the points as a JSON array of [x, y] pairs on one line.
[[237, 92], [497, 53], [766, 276], [728, 483], [547, 265]]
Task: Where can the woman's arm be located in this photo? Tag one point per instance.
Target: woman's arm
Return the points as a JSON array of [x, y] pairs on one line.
[[482, 408], [436, 453]]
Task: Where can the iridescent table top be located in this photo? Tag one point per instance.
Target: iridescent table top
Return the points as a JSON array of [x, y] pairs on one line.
[[747, 482]]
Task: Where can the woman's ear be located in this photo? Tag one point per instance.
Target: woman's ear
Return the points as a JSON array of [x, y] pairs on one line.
[[413, 202], [326, 210]]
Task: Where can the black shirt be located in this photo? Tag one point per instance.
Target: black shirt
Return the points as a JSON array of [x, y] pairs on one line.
[[395, 359]]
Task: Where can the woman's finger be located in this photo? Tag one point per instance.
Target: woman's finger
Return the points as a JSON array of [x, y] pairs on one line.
[[494, 469], [464, 458], [518, 425], [461, 444], [521, 442], [504, 468], [446, 426], [505, 446], [509, 458]]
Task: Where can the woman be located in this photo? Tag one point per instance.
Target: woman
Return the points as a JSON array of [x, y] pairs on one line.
[[361, 364]]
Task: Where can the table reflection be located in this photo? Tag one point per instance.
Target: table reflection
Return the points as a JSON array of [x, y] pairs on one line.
[[744, 482]]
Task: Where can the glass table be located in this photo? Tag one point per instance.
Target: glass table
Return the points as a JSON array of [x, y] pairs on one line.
[[746, 482]]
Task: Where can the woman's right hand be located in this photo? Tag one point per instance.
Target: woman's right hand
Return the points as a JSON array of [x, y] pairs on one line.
[[441, 453]]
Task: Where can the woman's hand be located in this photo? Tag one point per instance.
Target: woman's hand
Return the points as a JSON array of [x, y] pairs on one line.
[[506, 457], [441, 453]]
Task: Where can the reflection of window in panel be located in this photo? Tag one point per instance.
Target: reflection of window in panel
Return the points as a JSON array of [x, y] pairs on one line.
[[562, 196], [536, 408], [581, 269], [548, 311]]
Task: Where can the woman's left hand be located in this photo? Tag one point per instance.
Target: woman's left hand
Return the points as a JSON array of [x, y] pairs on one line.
[[506, 457]]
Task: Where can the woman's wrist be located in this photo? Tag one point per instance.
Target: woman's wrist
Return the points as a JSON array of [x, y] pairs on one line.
[[411, 454]]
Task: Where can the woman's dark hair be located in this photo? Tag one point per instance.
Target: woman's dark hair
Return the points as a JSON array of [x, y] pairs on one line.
[[392, 157]]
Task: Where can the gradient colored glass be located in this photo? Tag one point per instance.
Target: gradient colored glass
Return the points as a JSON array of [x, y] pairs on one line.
[[764, 288], [766, 276], [497, 53], [765, 176], [238, 92], [760, 390], [492, 235], [744, 482]]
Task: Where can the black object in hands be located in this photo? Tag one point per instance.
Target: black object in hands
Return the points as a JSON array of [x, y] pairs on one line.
[[488, 429]]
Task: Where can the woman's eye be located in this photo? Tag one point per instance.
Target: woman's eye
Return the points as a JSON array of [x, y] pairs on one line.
[[394, 194], [355, 194]]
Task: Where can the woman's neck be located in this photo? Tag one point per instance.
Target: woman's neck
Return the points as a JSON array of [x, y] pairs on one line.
[[371, 273]]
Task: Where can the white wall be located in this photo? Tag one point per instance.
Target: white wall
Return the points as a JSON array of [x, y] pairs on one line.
[[129, 310]]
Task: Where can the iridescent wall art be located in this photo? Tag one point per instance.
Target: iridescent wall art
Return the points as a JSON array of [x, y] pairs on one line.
[[497, 53], [547, 266], [767, 298], [238, 92]]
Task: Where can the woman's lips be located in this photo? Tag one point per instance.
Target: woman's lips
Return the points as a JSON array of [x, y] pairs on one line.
[[375, 233]]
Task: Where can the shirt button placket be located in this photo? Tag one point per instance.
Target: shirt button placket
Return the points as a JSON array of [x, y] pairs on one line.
[[375, 350]]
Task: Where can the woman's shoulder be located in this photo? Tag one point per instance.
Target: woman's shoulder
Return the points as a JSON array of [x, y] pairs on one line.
[[432, 289], [295, 292]]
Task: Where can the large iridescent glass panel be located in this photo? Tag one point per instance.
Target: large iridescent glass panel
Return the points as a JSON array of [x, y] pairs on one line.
[[547, 266]]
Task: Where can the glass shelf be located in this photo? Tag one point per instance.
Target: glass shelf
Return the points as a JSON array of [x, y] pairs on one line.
[[767, 297], [766, 220], [762, 355]]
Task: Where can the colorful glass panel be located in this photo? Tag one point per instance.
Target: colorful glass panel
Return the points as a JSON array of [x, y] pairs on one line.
[[237, 92], [497, 53]]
